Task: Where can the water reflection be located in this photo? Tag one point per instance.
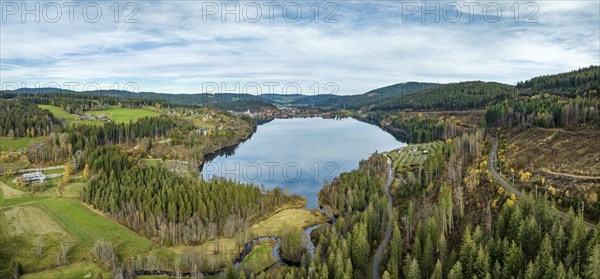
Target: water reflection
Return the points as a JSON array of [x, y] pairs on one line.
[[300, 154]]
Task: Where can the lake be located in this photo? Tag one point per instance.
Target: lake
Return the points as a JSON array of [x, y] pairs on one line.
[[300, 154]]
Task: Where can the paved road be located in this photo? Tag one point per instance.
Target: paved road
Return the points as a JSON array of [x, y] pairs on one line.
[[512, 189], [388, 231]]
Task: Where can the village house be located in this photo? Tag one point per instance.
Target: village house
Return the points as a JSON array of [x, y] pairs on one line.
[[34, 177]]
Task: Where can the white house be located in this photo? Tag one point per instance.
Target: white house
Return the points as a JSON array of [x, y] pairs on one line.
[[34, 177]]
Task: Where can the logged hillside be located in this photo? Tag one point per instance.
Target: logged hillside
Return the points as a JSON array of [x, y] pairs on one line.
[[453, 96]]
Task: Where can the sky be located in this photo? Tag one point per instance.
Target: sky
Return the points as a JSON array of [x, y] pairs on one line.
[[309, 47]]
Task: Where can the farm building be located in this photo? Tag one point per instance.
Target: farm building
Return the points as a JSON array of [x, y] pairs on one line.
[[34, 177]]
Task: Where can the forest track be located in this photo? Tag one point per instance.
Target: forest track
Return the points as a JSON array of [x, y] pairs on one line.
[[510, 188], [388, 230], [582, 177]]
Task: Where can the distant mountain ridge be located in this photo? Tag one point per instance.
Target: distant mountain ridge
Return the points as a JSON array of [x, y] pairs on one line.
[[408, 95], [268, 99]]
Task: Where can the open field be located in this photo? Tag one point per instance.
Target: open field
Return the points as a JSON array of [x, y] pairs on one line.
[[73, 217], [55, 221], [70, 118], [87, 226], [122, 115], [31, 218], [76, 270], [7, 144], [282, 221], [118, 115], [58, 112], [11, 193]]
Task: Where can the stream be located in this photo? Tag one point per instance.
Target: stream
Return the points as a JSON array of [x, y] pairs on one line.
[[239, 259]]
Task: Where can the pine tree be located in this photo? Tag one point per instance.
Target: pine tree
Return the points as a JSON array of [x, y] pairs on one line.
[[456, 271], [482, 263], [592, 269], [413, 270], [561, 273], [514, 260], [544, 261], [427, 257], [437, 272], [396, 251], [531, 272], [360, 244], [468, 253]]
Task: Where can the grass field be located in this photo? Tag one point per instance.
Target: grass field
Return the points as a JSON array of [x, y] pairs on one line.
[[76, 270], [86, 226], [122, 115], [279, 223], [71, 215], [11, 193], [44, 216], [7, 144], [70, 118], [116, 114], [261, 257], [58, 112], [30, 218]]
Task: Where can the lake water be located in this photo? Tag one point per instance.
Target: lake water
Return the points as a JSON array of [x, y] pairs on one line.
[[300, 154]]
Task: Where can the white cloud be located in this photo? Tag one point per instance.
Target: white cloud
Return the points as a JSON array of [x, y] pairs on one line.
[[171, 49]]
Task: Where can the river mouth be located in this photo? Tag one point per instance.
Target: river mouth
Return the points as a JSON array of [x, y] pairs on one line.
[[299, 154]]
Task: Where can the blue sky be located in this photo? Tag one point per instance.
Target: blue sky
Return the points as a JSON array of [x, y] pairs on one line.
[[190, 46]]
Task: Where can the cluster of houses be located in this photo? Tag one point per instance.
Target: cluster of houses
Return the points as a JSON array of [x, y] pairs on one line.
[[100, 117]]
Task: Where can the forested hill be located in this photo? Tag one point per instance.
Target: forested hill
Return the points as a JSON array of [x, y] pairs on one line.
[[234, 101], [381, 95], [575, 82], [228, 101], [453, 96]]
